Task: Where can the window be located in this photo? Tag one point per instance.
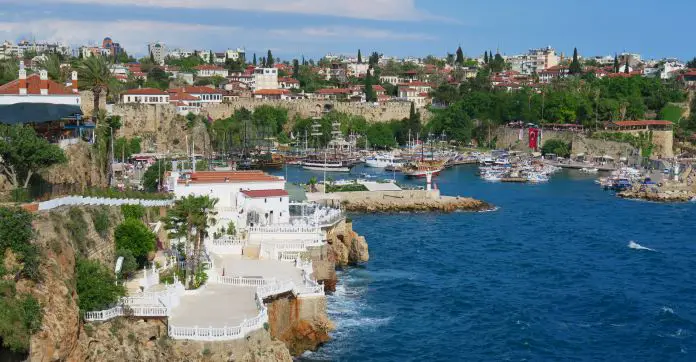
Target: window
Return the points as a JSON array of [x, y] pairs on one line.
[[265, 201]]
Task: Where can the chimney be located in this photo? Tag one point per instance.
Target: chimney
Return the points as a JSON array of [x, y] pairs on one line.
[[22, 79], [43, 82], [74, 82]]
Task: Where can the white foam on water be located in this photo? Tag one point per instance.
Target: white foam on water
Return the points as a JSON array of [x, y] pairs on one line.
[[668, 310], [633, 245]]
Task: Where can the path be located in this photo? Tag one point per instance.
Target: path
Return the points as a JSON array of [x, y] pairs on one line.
[[216, 306]]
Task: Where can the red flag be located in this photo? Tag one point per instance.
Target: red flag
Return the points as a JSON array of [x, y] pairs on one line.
[[533, 138]]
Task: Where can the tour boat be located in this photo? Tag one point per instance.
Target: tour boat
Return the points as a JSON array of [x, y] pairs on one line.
[[589, 170], [422, 168], [382, 161], [326, 165]]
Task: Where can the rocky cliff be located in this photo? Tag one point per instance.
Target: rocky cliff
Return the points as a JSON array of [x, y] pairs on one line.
[[146, 340], [302, 324], [63, 235], [160, 128], [80, 172]]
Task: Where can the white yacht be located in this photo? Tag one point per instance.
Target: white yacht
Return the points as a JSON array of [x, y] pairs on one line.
[[382, 161]]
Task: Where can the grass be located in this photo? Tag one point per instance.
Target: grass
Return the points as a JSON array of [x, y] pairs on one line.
[[671, 112]]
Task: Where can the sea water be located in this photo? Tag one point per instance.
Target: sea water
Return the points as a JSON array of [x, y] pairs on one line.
[[561, 271]]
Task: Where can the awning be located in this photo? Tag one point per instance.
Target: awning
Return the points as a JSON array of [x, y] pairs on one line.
[[21, 113]]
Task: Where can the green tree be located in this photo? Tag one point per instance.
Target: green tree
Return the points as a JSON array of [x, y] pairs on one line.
[[20, 317], [381, 135], [96, 286], [23, 153], [373, 60], [154, 174], [189, 219], [691, 63], [359, 57], [485, 57], [557, 147], [211, 57], [369, 92], [254, 61], [616, 63], [626, 69], [269, 59], [575, 67], [135, 236], [460, 56], [295, 68], [51, 63], [95, 76], [129, 265]]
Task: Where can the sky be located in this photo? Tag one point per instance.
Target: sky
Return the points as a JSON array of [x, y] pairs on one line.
[[293, 28]]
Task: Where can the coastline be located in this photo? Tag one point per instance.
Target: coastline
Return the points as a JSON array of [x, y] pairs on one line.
[[400, 201]]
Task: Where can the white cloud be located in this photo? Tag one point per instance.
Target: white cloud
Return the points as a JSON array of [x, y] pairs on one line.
[[135, 34], [359, 9]]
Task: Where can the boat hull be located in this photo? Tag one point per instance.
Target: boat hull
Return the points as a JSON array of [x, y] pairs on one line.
[[419, 174], [327, 169]]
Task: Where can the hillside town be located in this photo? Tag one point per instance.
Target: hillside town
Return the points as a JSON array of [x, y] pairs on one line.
[[185, 192]]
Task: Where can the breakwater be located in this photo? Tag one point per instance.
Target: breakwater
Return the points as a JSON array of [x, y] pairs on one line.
[[400, 201]]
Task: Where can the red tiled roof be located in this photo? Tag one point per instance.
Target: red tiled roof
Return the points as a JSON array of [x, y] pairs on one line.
[[211, 177], [146, 91], [34, 87], [642, 123], [378, 88], [195, 90], [271, 92], [255, 194], [181, 96]]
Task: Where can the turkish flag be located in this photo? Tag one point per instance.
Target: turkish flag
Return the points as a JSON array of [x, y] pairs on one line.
[[533, 137]]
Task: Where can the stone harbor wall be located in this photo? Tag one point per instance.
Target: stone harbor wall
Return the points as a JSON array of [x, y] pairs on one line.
[[509, 138], [309, 108]]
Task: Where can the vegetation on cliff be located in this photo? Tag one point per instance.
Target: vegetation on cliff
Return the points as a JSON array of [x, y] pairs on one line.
[[134, 236], [23, 154], [20, 312], [96, 286]]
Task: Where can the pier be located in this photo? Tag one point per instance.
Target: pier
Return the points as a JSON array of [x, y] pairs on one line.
[[580, 165]]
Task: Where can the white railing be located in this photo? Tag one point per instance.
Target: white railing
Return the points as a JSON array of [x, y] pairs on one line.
[[150, 278], [80, 200], [227, 246], [119, 311], [219, 334], [274, 289], [239, 281], [104, 315], [227, 241], [147, 304], [284, 229]]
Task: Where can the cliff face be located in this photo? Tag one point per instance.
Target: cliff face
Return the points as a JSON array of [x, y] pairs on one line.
[[81, 170], [61, 235], [302, 324], [138, 340], [160, 128]]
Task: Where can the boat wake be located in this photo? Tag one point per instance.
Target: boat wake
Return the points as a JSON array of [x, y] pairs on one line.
[[635, 246]]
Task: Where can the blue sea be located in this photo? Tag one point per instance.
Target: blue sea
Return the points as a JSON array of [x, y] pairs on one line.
[[562, 271]]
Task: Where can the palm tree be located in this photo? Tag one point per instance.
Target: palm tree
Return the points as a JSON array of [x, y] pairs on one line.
[[51, 63], [313, 184], [94, 75], [189, 218]]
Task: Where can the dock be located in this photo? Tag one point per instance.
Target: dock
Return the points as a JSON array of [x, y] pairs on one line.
[[514, 179], [580, 165]]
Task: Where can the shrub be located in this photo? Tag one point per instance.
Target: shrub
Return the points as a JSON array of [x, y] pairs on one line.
[[231, 230], [133, 211], [557, 147], [96, 286], [77, 230], [16, 233], [129, 266], [19, 319], [135, 236], [100, 219]]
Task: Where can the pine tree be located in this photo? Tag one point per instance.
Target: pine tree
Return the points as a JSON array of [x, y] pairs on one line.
[[295, 68], [152, 57], [369, 92], [412, 113], [304, 62], [460, 56], [485, 57], [626, 68], [359, 57], [575, 67], [269, 59], [254, 61], [616, 63]]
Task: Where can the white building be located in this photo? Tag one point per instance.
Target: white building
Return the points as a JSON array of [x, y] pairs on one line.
[[235, 191], [205, 95], [145, 96], [158, 51], [264, 207], [37, 88], [265, 78], [236, 54], [356, 70], [391, 79], [209, 70], [534, 61]]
